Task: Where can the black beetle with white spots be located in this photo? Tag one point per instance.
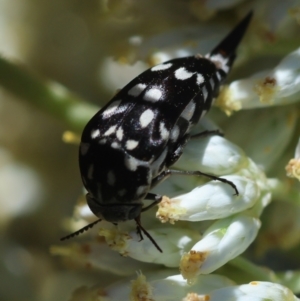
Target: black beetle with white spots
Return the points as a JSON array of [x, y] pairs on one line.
[[128, 146]]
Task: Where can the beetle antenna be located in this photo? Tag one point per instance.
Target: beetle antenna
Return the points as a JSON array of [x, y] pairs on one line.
[[87, 227], [140, 227]]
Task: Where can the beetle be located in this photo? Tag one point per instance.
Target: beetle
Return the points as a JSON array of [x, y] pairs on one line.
[[128, 146]]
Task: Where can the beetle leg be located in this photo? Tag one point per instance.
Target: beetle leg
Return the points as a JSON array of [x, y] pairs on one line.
[[141, 229], [171, 172]]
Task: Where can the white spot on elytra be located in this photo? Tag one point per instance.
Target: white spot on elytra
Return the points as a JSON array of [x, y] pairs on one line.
[[189, 110], [84, 147], [111, 178], [200, 79], [95, 133], [131, 163], [146, 117], [111, 109], [220, 61], [90, 172], [161, 67], [153, 95], [115, 145], [164, 133], [121, 109], [175, 133], [111, 130], [137, 90], [131, 144], [182, 74], [120, 133]]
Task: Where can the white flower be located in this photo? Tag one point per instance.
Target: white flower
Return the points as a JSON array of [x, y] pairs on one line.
[[223, 241], [269, 87], [212, 154], [211, 201]]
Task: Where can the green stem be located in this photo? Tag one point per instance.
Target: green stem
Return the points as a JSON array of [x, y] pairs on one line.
[[258, 273], [49, 96]]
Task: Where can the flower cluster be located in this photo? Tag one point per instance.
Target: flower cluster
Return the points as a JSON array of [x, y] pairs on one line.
[[209, 287], [201, 225]]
